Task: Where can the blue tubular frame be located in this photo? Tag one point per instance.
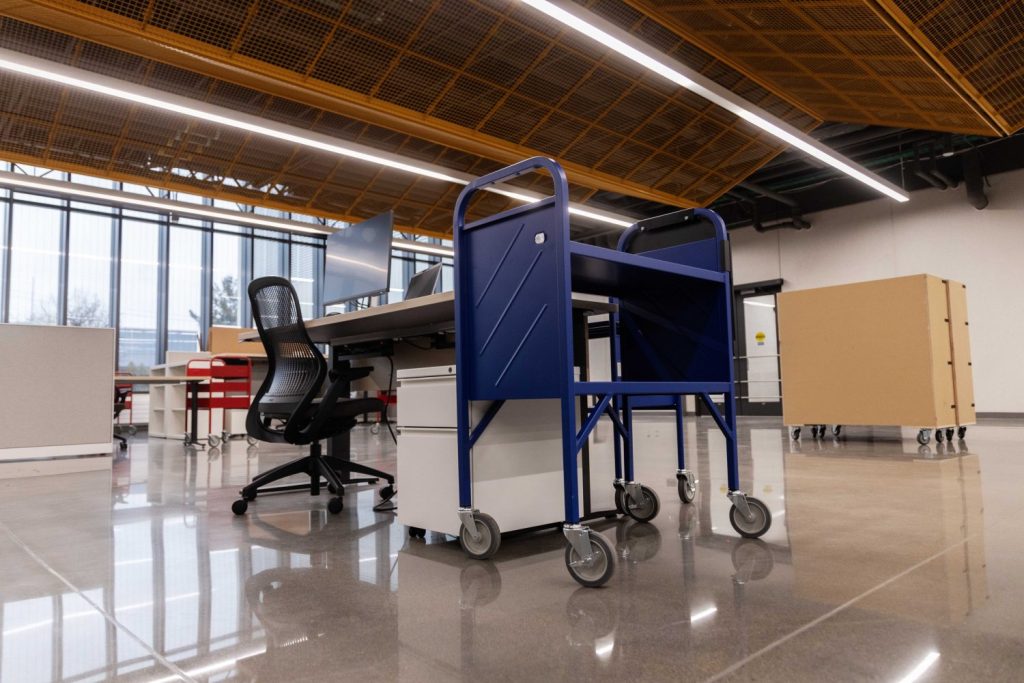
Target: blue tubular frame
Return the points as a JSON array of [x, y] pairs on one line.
[[514, 277]]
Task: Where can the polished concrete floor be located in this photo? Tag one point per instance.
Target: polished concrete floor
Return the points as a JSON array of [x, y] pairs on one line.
[[885, 562]]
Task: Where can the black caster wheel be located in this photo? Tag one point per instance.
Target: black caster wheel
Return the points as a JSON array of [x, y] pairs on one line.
[[334, 505], [600, 568], [645, 509], [333, 490], [416, 532], [924, 437], [132, 430], [687, 489], [837, 430], [489, 537], [939, 438], [187, 441], [240, 506], [794, 433], [949, 434], [387, 493], [961, 432], [123, 446], [252, 441], [756, 527]]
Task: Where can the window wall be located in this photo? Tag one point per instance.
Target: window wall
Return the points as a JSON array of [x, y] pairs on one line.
[[160, 280]]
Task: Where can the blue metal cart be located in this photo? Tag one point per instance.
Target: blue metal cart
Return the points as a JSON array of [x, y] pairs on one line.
[[515, 273]]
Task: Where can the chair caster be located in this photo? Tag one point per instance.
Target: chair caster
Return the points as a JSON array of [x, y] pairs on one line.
[[387, 493], [240, 506], [416, 532], [335, 505]]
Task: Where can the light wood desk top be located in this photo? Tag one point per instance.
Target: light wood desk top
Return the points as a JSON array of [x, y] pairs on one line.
[[411, 318], [156, 379]]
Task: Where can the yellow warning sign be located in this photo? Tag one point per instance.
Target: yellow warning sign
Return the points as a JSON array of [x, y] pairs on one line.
[[760, 337]]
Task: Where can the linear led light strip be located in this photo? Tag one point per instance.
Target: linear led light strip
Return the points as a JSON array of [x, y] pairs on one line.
[[150, 97], [115, 198], [610, 36]]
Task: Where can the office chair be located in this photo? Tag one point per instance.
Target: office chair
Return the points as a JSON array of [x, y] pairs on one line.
[[287, 408], [121, 394]]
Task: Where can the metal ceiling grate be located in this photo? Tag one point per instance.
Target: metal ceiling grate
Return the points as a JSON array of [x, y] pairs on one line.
[[982, 45], [490, 69], [839, 59]]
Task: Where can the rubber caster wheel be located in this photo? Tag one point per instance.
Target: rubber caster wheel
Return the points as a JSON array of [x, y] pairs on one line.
[[187, 441], [598, 570], [961, 432], [837, 430], [756, 527], [375, 428], [213, 440], [949, 434], [123, 446], [416, 532], [252, 441], [924, 437], [132, 430], [620, 505], [335, 505], [646, 509], [489, 537], [794, 433], [687, 490], [939, 438], [387, 493], [240, 506]]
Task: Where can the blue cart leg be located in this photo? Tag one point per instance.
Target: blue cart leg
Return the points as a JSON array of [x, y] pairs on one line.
[[686, 482], [627, 422]]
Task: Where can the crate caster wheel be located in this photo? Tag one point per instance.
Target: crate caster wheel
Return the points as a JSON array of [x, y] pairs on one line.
[[794, 433], [488, 537], [598, 570], [213, 440], [646, 508], [949, 434], [961, 432], [416, 532], [240, 506], [123, 446], [375, 428], [751, 528], [837, 430], [132, 430], [924, 437], [687, 488], [335, 505], [252, 441], [939, 438], [187, 441]]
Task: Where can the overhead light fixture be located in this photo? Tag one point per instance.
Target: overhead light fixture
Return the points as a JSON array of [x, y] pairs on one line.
[[61, 188], [68, 76], [614, 38]]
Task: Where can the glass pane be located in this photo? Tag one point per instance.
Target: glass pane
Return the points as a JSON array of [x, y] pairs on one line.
[[35, 265], [184, 289], [306, 265], [4, 240], [762, 344], [227, 276], [89, 247], [269, 258], [447, 277], [137, 342]]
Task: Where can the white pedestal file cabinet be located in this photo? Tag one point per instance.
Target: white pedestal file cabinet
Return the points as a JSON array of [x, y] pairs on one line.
[[517, 463]]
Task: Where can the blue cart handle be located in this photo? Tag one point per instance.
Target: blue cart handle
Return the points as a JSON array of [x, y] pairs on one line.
[[517, 169], [721, 233]]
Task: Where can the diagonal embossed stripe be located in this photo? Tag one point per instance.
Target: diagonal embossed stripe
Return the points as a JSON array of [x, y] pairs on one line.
[[511, 300], [522, 342], [501, 262]]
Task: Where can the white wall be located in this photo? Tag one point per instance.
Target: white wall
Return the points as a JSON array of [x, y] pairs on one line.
[[935, 232]]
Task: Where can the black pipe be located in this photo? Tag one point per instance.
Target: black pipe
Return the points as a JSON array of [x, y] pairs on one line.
[[765, 192], [974, 183], [795, 223]]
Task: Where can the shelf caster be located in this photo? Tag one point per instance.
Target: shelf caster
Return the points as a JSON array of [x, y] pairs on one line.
[[686, 484], [479, 535], [924, 437], [640, 502], [961, 432], [416, 532], [749, 516], [794, 433], [837, 430], [588, 556]]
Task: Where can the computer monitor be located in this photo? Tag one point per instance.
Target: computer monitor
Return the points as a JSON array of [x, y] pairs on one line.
[[358, 260], [423, 283]]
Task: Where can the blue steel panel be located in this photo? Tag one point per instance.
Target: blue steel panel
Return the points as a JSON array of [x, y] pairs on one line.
[[513, 331]]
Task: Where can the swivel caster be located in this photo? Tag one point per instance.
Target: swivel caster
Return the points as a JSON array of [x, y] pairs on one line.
[[837, 430], [939, 438], [924, 437], [641, 502], [335, 505], [251, 440], [416, 532], [388, 492], [485, 542], [594, 570], [132, 430], [213, 440], [758, 524], [375, 428], [949, 434], [687, 487], [794, 433], [240, 506], [961, 432], [124, 445]]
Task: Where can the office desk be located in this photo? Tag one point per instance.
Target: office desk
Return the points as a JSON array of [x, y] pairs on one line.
[[165, 379], [368, 335]]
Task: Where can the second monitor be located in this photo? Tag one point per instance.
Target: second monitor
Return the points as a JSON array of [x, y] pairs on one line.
[[358, 260], [423, 283]]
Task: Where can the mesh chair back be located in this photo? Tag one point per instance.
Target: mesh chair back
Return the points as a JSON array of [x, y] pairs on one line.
[[296, 368]]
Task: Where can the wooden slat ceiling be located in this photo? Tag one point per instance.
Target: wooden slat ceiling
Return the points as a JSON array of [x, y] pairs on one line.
[[487, 76], [945, 65]]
